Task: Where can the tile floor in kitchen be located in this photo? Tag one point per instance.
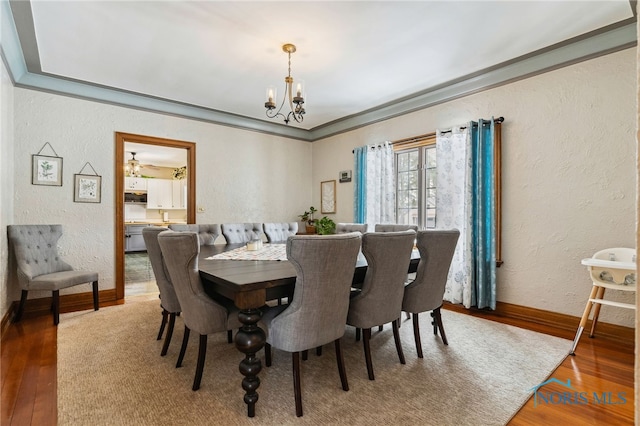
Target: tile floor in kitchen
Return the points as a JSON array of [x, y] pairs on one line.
[[138, 274]]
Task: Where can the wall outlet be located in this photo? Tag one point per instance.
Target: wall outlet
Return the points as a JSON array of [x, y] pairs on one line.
[[200, 209]]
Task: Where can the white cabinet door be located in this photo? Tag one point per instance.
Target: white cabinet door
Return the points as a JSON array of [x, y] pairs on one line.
[[159, 194], [135, 184], [179, 194]]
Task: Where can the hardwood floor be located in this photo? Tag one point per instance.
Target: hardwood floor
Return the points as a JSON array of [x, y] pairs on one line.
[[29, 394]]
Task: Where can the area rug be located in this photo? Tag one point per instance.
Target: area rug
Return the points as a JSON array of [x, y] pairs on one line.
[[110, 372]]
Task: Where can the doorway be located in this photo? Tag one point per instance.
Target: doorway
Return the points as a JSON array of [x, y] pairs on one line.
[[122, 141]]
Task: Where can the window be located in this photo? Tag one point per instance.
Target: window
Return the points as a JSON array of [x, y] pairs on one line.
[[416, 181], [416, 186]]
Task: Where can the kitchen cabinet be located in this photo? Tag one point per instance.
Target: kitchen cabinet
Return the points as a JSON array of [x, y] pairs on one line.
[[166, 194], [135, 184], [133, 240]]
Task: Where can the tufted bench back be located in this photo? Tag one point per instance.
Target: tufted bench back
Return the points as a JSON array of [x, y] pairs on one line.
[[279, 232], [207, 234], [36, 250], [241, 232]]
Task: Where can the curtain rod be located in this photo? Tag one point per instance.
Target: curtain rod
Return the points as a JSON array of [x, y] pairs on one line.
[[497, 120], [428, 135]]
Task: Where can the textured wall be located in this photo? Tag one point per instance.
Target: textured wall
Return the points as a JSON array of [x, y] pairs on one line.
[[569, 174], [241, 176], [7, 294]]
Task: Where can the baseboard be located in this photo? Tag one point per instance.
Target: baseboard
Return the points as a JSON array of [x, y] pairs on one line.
[[68, 303], [564, 325]]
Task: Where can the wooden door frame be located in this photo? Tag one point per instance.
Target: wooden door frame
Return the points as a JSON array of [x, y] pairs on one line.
[[120, 140]]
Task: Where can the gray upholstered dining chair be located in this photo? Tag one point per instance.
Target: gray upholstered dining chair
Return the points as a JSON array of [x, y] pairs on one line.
[[425, 293], [380, 300], [200, 312], [207, 233], [279, 232], [168, 299], [241, 232], [318, 311], [351, 227], [40, 267], [393, 227]]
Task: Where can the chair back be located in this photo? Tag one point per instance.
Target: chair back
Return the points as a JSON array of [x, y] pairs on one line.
[[199, 311], [317, 313], [36, 251], [351, 227], [393, 227], [436, 248], [168, 298], [207, 234], [241, 232], [388, 256], [279, 232]]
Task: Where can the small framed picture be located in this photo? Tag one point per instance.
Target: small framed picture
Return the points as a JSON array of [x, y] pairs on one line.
[[88, 189], [46, 170], [345, 176], [328, 196]]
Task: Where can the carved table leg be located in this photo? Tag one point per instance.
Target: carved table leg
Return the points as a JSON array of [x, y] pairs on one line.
[[249, 340]]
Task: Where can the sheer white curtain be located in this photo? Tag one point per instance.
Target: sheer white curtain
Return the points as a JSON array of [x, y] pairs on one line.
[[375, 196], [454, 204]]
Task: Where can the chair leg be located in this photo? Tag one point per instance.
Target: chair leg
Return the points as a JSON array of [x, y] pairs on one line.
[[297, 392], [380, 327], [167, 339], [396, 338], [202, 354], [183, 348], [596, 311], [583, 320], [408, 315], [165, 316], [305, 355], [416, 335], [437, 316], [229, 336], [341, 370], [56, 307], [319, 351], [267, 354], [23, 299], [357, 334], [366, 337], [96, 301]]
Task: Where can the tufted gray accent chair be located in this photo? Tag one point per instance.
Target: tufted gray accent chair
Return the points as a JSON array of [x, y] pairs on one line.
[[318, 312], [200, 312], [41, 268], [425, 293], [207, 234], [168, 299], [279, 232], [351, 227], [380, 301], [392, 227], [241, 232]]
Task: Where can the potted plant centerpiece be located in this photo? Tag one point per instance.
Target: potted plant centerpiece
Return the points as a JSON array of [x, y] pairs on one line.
[[307, 218], [325, 226]]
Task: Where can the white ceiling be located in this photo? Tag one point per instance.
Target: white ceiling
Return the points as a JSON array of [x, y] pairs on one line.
[[353, 56], [155, 155]]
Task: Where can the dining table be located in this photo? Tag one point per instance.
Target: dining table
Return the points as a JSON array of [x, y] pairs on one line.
[[250, 284]]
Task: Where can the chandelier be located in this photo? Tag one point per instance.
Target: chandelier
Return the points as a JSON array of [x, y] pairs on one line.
[[296, 112], [132, 169]]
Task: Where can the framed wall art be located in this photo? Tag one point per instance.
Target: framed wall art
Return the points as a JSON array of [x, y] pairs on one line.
[[328, 196], [87, 188], [46, 169]]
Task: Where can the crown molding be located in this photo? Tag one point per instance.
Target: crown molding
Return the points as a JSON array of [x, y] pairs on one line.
[[19, 52]]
